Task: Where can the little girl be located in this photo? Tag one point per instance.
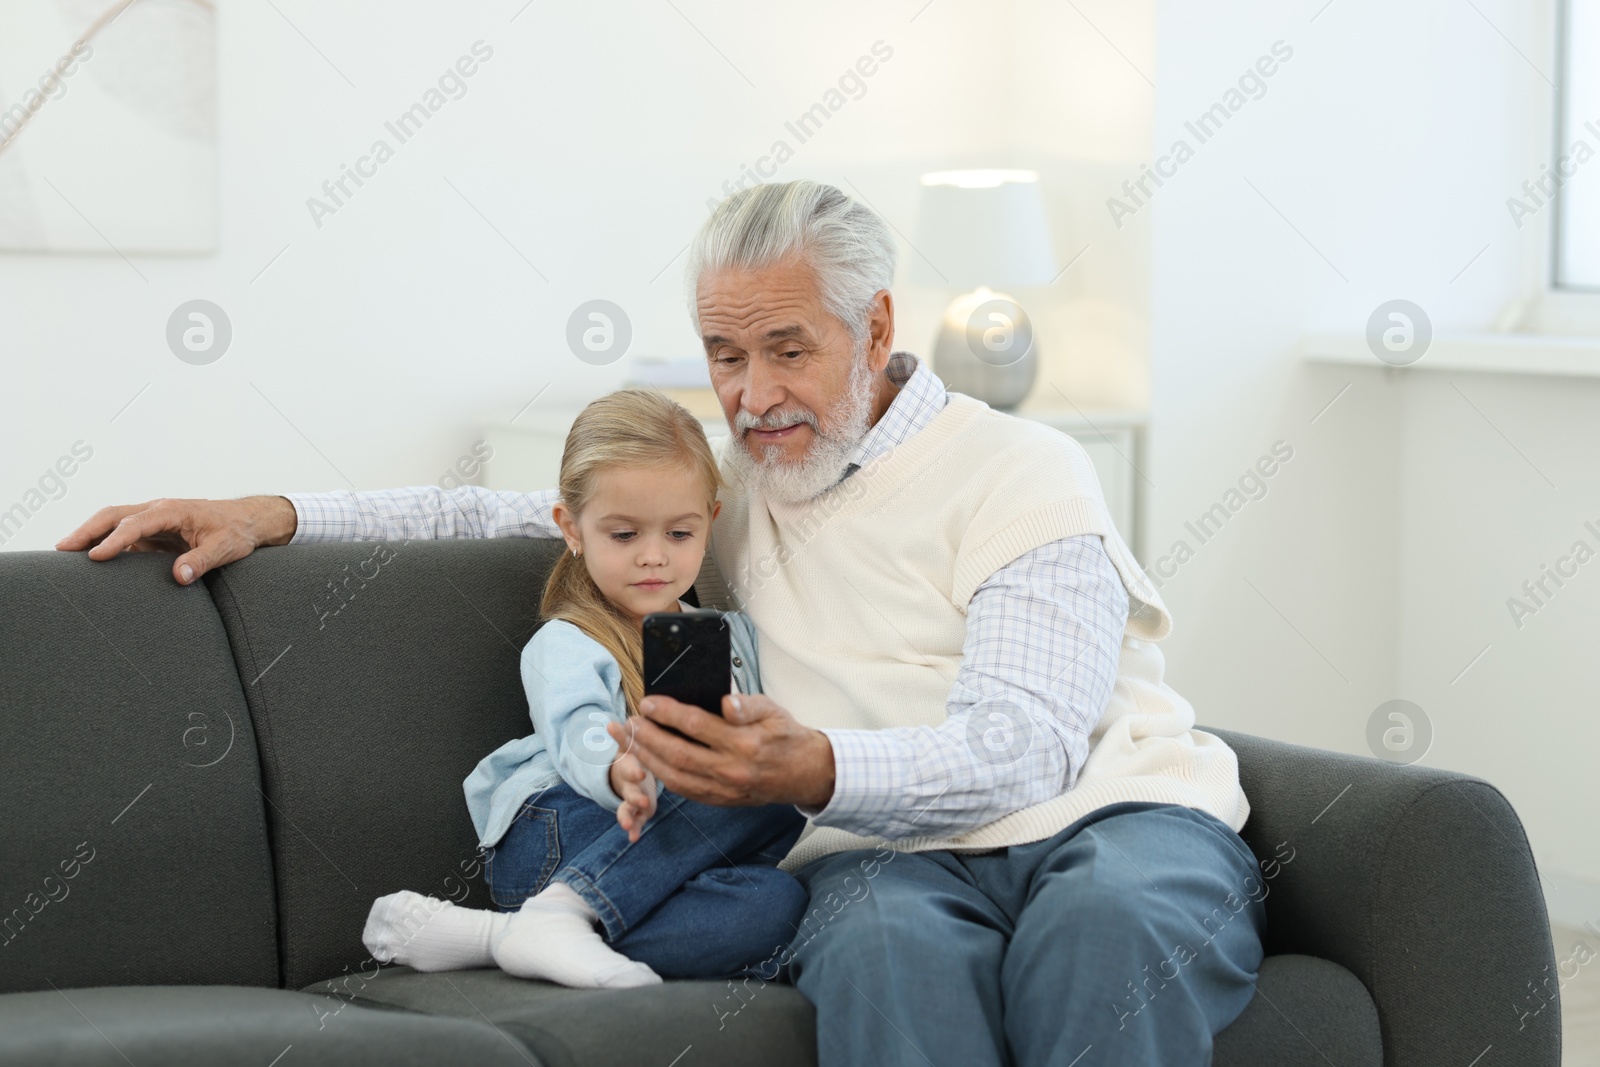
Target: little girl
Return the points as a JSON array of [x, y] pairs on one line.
[[579, 834]]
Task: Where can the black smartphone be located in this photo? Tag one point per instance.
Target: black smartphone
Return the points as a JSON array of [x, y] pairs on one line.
[[688, 657]]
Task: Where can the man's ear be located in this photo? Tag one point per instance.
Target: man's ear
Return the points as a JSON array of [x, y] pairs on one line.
[[880, 331]]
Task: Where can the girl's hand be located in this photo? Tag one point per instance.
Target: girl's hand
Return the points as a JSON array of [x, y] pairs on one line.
[[637, 788]]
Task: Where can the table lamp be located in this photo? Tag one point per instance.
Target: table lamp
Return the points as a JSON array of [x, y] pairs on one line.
[[977, 229]]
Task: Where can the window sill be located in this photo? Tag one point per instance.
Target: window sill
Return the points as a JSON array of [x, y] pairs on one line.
[[1493, 353]]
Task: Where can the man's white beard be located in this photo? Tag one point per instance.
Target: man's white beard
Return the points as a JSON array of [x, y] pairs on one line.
[[823, 462]]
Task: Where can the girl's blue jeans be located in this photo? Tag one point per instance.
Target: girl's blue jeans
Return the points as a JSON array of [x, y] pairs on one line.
[[699, 895]]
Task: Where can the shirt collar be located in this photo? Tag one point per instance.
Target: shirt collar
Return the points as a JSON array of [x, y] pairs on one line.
[[921, 396]]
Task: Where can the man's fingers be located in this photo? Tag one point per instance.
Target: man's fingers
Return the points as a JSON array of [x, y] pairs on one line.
[[741, 709], [206, 534], [97, 526], [657, 748], [705, 790], [189, 566], [683, 766], [133, 527], [687, 720]]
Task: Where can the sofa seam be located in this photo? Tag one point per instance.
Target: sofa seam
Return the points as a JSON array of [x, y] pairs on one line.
[[266, 753], [522, 1030], [363, 1002]]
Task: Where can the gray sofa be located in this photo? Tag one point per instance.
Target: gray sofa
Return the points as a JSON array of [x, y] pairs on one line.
[[204, 788]]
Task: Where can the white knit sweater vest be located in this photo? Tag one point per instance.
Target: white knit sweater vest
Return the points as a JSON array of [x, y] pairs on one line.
[[860, 594]]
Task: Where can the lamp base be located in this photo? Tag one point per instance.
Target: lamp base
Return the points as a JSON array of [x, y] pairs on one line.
[[986, 349]]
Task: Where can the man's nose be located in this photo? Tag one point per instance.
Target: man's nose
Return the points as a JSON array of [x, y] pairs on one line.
[[762, 390]]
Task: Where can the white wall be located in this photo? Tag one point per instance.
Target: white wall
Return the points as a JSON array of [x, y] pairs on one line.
[[1386, 548], [1383, 551], [369, 352]]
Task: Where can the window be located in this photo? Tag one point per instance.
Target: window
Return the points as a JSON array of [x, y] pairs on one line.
[[1577, 163]]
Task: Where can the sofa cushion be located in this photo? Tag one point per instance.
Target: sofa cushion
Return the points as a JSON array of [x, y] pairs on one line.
[[134, 845], [748, 1022], [378, 675], [218, 1026], [1306, 1011]]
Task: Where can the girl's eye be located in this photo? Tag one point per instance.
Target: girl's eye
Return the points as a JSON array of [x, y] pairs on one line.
[[628, 535]]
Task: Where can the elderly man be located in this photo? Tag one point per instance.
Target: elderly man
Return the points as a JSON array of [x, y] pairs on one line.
[[959, 658]]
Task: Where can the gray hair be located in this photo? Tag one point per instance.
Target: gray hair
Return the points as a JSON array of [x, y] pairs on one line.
[[844, 241]]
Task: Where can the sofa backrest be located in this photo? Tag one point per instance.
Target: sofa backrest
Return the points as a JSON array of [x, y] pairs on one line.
[[377, 675], [133, 843]]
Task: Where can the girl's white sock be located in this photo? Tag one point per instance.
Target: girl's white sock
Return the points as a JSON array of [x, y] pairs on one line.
[[553, 936], [428, 934]]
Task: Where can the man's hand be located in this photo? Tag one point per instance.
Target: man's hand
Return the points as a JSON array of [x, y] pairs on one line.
[[208, 533], [756, 753], [637, 788]]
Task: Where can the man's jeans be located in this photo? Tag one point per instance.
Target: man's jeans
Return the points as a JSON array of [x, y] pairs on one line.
[[699, 895], [1130, 937]]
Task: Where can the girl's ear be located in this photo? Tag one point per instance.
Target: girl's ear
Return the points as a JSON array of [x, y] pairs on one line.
[[569, 527], [716, 506]]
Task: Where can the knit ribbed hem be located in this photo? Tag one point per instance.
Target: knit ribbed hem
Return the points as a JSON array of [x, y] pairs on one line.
[[1214, 790], [1065, 518]]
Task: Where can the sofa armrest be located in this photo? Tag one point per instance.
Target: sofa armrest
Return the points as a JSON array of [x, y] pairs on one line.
[[1418, 881]]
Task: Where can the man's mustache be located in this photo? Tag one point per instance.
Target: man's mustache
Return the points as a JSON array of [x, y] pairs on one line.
[[774, 420]]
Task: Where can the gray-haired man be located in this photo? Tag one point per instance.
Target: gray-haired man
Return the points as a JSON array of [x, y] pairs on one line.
[[959, 657]]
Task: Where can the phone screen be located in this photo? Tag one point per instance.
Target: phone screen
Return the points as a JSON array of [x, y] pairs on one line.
[[687, 656]]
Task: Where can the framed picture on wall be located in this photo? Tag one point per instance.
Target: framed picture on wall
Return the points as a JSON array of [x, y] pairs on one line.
[[108, 139]]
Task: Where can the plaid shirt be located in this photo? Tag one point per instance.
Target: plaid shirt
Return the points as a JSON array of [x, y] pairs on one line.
[[1044, 635]]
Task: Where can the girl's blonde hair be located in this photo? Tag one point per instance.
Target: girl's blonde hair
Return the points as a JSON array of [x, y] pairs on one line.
[[628, 428]]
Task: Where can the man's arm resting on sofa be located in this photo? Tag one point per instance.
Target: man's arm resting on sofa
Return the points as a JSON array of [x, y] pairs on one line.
[[422, 513], [207, 533], [210, 533]]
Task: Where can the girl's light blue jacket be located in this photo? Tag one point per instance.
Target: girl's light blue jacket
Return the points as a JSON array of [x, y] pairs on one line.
[[574, 688]]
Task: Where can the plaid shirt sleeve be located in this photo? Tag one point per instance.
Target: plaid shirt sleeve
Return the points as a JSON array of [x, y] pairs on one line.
[[1044, 636], [421, 513]]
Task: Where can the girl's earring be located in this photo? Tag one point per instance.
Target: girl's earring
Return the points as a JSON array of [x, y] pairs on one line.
[[574, 553]]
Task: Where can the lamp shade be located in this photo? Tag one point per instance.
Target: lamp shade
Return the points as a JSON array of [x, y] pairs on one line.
[[983, 227]]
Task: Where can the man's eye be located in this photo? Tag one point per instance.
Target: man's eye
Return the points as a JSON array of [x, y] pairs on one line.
[[792, 355]]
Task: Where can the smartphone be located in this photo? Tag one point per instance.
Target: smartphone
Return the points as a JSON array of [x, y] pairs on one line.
[[688, 657]]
